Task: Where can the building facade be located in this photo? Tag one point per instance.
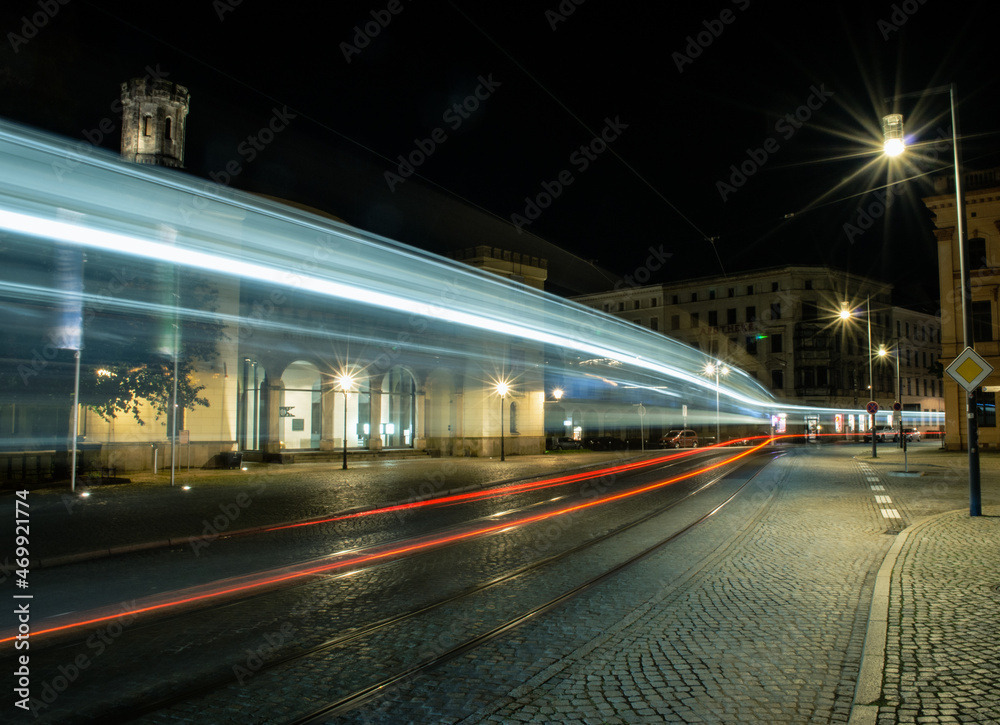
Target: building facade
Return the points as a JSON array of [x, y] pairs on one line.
[[802, 331], [981, 192]]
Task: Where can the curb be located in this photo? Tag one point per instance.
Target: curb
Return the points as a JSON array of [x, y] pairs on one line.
[[870, 676]]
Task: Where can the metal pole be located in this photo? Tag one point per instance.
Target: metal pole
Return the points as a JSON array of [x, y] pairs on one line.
[[871, 380], [975, 498], [501, 429], [899, 394], [76, 422], [718, 430], [345, 429]]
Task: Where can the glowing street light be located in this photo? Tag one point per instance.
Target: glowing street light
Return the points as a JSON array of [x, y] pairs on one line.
[[502, 389], [892, 131], [345, 382], [717, 369]]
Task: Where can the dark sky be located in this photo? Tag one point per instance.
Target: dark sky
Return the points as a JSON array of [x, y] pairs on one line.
[[790, 94]]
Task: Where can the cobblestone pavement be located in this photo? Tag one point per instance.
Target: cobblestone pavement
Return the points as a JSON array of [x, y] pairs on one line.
[[771, 625]]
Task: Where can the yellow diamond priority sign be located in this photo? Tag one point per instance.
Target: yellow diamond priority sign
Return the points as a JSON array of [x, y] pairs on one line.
[[969, 369]]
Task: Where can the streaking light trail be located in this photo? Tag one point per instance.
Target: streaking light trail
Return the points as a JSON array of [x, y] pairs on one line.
[[289, 575]]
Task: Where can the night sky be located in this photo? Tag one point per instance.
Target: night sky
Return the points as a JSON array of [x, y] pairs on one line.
[[724, 136]]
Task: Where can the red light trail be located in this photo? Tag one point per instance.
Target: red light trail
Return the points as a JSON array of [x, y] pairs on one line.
[[293, 573]]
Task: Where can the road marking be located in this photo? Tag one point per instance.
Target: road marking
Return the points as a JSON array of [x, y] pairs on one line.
[[890, 514], [878, 488], [883, 499]]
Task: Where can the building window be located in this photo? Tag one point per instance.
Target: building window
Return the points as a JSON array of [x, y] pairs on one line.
[[732, 291], [775, 310], [982, 321], [775, 343], [652, 302], [607, 307], [751, 313], [675, 322], [694, 296], [977, 253], [167, 129], [986, 409], [774, 287], [731, 316], [654, 324], [778, 379], [713, 318], [621, 306], [694, 319], [749, 289], [751, 345], [635, 305], [675, 299], [809, 284], [147, 123], [809, 310], [711, 294]]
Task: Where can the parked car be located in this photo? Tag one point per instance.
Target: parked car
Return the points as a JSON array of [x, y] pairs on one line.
[[880, 434], [564, 443], [604, 443], [679, 439], [912, 434]]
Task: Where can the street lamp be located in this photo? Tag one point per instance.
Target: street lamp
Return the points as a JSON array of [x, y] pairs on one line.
[[716, 369], [502, 390], [345, 382], [846, 314], [892, 128], [882, 352]]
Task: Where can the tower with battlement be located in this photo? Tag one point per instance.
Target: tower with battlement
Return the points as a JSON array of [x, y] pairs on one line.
[[154, 117]]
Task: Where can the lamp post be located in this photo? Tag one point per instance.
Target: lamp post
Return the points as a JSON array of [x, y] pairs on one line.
[[892, 128], [846, 314], [345, 382], [502, 389], [717, 368]]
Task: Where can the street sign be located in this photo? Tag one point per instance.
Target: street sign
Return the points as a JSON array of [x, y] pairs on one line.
[[969, 369], [872, 407], [897, 406]]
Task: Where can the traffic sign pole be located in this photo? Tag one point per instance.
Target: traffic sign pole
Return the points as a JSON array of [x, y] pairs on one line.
[[872, 408], [969, 370]]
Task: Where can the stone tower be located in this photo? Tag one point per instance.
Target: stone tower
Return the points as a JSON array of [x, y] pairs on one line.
[[154, 115]]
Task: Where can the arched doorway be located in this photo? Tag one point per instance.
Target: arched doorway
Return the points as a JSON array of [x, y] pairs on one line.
[[398, 408], [300, 418]]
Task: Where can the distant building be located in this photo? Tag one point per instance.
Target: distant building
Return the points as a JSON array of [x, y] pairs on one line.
[[522, 268], [783, 326], [154, 120], [981, 190]]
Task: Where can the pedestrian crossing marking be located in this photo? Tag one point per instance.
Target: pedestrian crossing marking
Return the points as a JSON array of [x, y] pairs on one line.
[[890, 514]]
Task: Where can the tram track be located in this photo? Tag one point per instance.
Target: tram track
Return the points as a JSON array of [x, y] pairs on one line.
[[122, 712]]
